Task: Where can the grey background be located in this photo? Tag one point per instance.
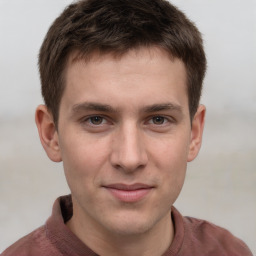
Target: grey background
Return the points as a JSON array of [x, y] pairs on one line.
[[220, 184]]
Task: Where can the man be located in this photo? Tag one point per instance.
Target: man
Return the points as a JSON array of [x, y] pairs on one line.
[[121, 81]]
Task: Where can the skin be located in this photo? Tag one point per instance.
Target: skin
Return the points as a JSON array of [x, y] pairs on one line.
[[124, 122]]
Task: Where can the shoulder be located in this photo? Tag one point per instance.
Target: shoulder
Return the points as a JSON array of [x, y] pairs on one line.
[[212, 239], [35, 243]]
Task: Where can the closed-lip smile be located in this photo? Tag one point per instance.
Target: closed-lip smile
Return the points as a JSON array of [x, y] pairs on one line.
[[129, 192]]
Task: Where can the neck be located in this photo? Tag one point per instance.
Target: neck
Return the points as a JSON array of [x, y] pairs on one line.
[[153, 242]]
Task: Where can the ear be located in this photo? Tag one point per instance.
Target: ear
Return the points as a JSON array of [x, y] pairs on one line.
[[196, 133], [48, 133]]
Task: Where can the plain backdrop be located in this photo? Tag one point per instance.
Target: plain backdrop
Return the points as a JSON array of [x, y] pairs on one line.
[[220, 183]]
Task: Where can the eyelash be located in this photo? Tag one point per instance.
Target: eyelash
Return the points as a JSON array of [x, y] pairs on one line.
[[89, 120], [103, 120], [162, 118]]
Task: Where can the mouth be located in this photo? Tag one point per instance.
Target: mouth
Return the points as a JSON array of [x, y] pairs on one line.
[[129, 193]]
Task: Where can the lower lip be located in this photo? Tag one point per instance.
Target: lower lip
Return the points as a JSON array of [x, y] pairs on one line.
[[130, 196]]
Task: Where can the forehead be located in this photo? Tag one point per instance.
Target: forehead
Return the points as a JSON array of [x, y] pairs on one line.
[[97, 57], [145, 73]]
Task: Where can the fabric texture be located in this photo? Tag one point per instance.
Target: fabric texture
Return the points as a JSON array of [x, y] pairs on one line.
[[193, 237]]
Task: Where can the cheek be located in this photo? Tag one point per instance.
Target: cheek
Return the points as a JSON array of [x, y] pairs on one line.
[[171, 161], [173, 180], [83, 159], [171, 152], [175, 170]]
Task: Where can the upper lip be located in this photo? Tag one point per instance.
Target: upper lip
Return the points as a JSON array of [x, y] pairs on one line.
[[135, 186]]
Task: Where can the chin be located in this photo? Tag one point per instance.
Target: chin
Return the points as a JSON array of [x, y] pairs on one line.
[[130, 224], [131, 229]]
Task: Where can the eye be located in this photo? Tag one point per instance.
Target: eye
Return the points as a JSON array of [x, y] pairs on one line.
[[158, 120], [96, 123], [96, 120]]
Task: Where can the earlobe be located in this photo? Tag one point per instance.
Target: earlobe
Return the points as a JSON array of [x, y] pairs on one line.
[[196, 133], [48, 133]]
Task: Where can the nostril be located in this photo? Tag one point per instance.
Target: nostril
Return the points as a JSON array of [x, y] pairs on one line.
[[128, 163], [129, 169]]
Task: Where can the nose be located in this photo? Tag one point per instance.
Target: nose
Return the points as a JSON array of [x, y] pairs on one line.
[[128, 149]]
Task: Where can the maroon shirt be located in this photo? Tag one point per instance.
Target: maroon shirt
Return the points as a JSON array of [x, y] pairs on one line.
[[193, 237]]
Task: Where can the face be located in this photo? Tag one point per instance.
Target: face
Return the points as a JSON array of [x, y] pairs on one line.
[[125, 136]]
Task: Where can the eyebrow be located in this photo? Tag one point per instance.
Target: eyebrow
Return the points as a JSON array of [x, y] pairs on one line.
[[87, 106], [161, 107], [92, 106]]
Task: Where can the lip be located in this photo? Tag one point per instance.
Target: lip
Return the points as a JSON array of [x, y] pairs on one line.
[[129, 193]]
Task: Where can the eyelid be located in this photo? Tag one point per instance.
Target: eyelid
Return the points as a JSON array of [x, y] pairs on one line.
[[154, 117], [86, 120], [168, 119]]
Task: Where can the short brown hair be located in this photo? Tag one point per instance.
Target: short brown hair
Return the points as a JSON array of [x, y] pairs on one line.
[[117, 26]]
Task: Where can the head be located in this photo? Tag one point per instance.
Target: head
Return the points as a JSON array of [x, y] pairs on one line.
[[122, 80], [116, 27]]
